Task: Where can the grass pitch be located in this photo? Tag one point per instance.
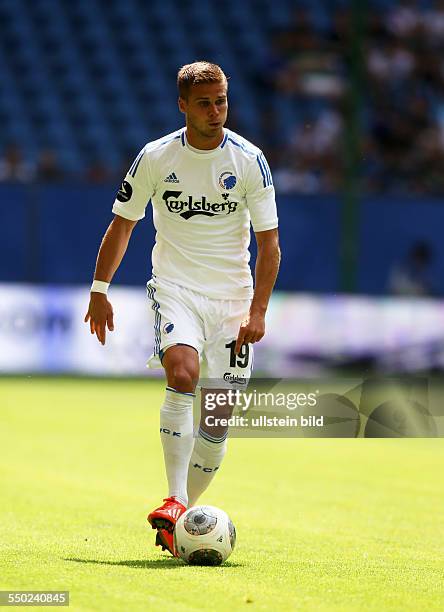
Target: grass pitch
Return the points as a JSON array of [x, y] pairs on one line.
[[322, 524]]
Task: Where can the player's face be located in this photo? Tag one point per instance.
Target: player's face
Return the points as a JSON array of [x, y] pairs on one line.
[[206, 112]]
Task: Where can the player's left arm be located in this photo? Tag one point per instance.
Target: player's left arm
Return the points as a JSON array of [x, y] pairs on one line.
[[268, 259]]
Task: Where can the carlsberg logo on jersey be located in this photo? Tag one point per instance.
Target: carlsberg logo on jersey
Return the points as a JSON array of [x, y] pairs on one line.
[[189, 208]]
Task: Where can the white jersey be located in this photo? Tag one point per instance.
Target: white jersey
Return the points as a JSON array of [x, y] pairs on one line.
[[203, 203]]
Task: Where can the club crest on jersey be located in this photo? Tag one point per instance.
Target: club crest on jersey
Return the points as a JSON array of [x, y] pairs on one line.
[[227, 180], [168, 327], [189, 207], [125, 192]]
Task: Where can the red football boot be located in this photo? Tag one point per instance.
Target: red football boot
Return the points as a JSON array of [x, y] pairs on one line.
[[165, 539], [165, 516]]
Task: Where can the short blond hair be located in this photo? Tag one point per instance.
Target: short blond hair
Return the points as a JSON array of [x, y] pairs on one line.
[[198, 73]]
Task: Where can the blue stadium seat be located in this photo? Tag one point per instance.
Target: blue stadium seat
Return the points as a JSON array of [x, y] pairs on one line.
[[99, 75]]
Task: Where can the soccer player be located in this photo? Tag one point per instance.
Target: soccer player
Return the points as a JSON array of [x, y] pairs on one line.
[[206, 185]]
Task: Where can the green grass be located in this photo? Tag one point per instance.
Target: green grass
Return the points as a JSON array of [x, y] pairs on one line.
[[322, 524]]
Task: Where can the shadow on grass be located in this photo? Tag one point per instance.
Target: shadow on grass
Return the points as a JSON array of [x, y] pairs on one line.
[[168, 563]]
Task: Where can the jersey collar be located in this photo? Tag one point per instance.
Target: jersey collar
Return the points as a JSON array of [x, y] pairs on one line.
[[208, 154]]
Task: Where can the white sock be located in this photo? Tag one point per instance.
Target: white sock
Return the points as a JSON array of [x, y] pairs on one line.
[[176, 434], [205, 461]]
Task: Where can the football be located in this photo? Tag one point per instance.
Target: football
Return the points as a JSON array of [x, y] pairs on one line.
[[204, 535]]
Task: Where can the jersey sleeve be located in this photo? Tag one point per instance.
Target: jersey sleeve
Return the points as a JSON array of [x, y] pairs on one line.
[[260, 195], [136, 190]]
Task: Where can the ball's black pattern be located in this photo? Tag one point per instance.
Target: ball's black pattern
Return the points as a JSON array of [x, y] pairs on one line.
[[205, 557], [200, 521]]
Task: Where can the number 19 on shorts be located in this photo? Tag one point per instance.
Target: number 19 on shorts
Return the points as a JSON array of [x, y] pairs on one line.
[[241, 360]]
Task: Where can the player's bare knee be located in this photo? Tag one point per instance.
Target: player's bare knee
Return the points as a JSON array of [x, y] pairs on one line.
[[181, 365], [182, 378]]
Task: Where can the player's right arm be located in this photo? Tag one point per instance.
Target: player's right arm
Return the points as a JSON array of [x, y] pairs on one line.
[[111, 252], [129, 207]]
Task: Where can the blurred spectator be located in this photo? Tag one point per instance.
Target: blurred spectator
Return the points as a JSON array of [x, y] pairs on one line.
[[404, 19], [97, 172], [13, 168], [309, 66], [434, 23], [414, 276], [313, 164], [392, 62], [48, 169]]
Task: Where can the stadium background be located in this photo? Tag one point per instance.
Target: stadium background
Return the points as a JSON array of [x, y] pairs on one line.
[[345, 99]]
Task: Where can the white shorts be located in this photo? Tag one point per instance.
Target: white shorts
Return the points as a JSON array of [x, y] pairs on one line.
[[182, 316]]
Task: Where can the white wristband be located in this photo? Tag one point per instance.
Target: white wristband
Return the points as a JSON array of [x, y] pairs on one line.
[[99, 287]]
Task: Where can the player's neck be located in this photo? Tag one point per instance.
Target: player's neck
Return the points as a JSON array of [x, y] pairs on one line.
[[201, 142]]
